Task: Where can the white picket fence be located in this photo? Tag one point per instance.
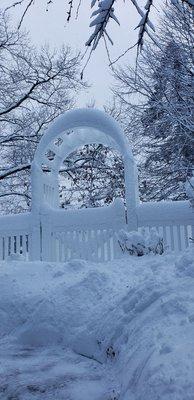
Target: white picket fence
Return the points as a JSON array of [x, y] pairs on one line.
[[88, 234], [174, 221], [52, 234], [15, 235], [91, 234]]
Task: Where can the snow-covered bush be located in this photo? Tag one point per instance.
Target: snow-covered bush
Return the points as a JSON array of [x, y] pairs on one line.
[[141, 243]]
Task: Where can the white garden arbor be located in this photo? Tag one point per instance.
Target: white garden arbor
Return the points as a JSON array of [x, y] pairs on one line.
[[74, 129], [89, 233], [51, 233]]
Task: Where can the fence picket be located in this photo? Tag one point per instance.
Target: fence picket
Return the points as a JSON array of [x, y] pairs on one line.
[[98, 242], [108, 245], [164, 235], [1, 248], [186, 236], [171, 237], [6, 247], [179, 237], [23, 245]]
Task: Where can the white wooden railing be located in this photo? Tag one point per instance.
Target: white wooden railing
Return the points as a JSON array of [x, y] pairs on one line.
[[60, 235]]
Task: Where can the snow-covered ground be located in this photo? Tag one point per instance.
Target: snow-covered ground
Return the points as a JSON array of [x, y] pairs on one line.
[[85, 331]]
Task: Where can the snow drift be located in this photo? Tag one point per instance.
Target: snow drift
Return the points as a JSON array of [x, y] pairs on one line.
[[82, 331]]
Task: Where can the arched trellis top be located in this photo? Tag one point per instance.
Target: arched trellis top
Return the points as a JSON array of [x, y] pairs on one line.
[[74, 129], [90, 125]]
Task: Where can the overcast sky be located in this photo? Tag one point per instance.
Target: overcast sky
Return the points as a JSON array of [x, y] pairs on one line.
[[51, 27]]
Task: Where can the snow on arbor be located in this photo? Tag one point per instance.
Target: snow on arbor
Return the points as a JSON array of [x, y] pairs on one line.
[[54, 234], [74, 129]]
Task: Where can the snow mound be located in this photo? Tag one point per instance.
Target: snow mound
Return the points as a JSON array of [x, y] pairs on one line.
[[77, 330], [185, 264]]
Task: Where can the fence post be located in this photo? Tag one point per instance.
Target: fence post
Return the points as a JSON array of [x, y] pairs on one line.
[[46, 239], [35, 242], [131, 194]]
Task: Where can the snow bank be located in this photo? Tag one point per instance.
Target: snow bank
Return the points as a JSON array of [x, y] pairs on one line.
[[120, 330]]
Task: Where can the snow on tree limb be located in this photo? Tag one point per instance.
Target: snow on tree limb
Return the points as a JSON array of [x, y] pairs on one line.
[[163, 118], [14, 170], [35, 87], [103, 13]]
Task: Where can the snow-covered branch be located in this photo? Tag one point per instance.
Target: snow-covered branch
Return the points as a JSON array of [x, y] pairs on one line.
[[35, 88], [14, 170], [158, 104], [104, 12]]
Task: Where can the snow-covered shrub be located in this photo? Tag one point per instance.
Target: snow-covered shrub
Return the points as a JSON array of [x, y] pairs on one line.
[[141, 243]]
